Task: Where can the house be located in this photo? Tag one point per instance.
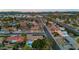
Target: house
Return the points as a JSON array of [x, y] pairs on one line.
[[14, 39]]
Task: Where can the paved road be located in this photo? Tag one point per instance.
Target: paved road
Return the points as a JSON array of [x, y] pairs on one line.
[[69, 28], [50, 35], [70, 40], [16, 33], [72, 43]]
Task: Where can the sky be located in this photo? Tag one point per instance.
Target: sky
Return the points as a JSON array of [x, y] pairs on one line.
[[37, 10]]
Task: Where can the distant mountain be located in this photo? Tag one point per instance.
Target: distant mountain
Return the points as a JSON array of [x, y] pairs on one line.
[[13, 13]]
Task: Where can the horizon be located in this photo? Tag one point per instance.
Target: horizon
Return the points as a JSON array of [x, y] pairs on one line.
[[38, 10]]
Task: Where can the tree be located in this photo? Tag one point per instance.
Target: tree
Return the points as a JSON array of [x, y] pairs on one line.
[[29, 25], [24, 35], [26, 47], [15, 47], [39, 44], [78, 40]]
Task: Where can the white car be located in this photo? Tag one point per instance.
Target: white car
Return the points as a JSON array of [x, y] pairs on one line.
[[65, 33]]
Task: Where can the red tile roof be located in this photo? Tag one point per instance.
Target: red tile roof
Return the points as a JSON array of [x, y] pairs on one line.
[[17, 38]]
